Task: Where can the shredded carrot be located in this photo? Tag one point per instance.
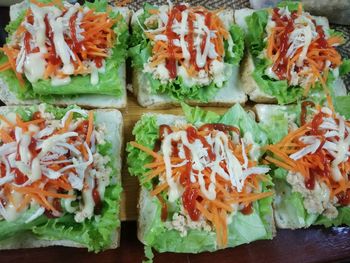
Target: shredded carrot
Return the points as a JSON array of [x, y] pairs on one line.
[[24, 203], [159, 189], [146, 150], [4, 119], [32, 190], [5, 137], [91, 125]]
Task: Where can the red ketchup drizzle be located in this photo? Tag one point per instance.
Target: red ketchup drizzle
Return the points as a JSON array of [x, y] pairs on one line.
[[170, 62], [189, 198], [20, 178], [305, 104], [53, 58], [72, 25], [164, 211], [344, 197], [321, 41], [247, 210], [97, 200], [2, 170], [280, 66], [164, 130], [192, 135], [27, 42], [185, 176], [207, 22], [310, 182], [219, 127], [56, 203], [82, 129], [190, 40], [32, 148], [316, 122]]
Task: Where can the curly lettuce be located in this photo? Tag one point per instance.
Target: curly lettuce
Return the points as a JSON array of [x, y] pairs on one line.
[[146, 133]]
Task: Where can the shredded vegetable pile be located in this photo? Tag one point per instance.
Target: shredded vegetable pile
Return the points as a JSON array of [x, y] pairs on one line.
[[210, 171], [301, 50], [185, 38], [59, 40], [45, 162], [319, 150]]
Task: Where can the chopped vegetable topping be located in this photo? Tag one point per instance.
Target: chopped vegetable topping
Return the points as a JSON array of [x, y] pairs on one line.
[[59, 41], [300, 48], [187, 42], [47, 163], [209, 169], [319, 151]]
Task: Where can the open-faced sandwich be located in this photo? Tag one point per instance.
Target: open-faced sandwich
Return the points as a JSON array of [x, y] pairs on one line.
[[202, 186], [186, 53], [60, 177], [65, 54], [291, 54], [311, 162]]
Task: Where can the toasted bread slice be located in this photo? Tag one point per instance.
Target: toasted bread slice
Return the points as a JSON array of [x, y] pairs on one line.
[[147, 208], [113, 121], [227, 95], [83, 100], [247, 67]]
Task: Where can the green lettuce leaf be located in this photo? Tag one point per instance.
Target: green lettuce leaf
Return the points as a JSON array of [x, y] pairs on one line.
[[235, 55], [238, 117], [289, 206], [13, 25], [140, 54], [146, 134], [343, 218], [96, 234], [292, 5], [9, 77], [178, 90], [10, 229], [255, 35], [342, 105], [242, 229], [148, 254], [97, 5], [344, 67], [278, 88], [198, 116], [275, 121]]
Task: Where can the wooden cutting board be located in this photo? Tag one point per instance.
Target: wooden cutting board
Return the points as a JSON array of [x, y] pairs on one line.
[[131, 114]]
